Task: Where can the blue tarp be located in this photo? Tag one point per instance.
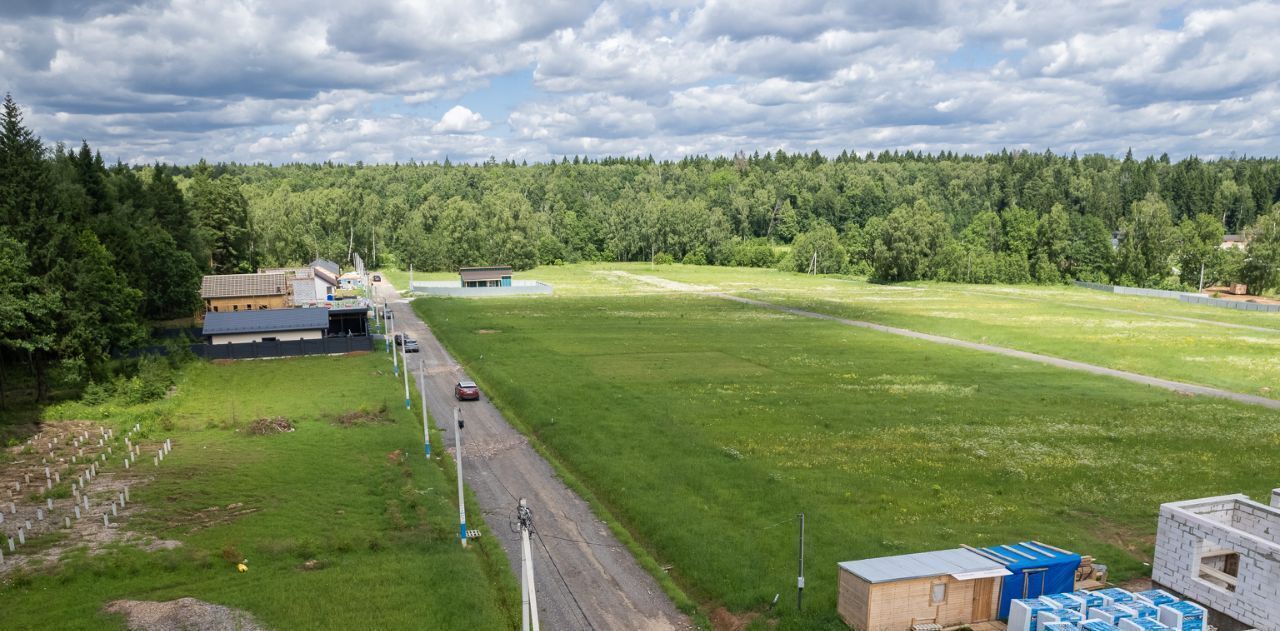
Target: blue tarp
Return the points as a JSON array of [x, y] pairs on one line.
[[1036, 571]]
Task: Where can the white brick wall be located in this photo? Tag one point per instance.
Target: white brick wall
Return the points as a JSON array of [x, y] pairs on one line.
[[1183, 533]]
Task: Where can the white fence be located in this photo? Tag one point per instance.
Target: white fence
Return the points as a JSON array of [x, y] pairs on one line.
[[455, 289]]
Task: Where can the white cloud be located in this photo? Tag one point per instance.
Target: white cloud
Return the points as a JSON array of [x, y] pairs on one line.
[[288, 80], [460, 120]]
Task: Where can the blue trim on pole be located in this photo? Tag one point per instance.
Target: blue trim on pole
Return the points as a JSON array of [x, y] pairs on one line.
[[462, 531], [406, 404], [427, 446]]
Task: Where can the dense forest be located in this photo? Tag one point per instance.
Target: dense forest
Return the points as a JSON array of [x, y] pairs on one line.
[[90, 255]]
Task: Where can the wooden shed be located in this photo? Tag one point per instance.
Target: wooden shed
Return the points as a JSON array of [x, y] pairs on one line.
[[946, 587]]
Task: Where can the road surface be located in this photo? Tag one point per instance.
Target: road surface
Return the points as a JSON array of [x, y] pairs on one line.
[[585, 578]]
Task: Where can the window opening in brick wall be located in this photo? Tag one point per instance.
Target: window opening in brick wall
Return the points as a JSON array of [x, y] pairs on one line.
[[1220, 568]]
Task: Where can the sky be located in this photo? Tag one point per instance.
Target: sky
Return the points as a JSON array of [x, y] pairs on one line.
[[392, 80]]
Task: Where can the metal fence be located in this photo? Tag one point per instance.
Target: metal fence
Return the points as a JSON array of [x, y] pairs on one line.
[[1187, 297], [1230, 304], [453, 288], [284, 348]]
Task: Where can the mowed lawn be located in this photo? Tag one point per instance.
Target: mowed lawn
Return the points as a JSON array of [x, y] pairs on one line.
[[705, 426], [1150, 336], [349, 488]]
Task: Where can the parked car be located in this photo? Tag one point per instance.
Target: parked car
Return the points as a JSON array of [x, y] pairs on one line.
[[386, 313], [410, 345], [377, 278], [466, 391], [399, 339]]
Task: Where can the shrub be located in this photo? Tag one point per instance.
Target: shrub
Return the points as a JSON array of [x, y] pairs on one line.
[[697, 256], [662, 258]]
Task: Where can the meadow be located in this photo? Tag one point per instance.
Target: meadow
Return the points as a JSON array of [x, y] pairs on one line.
[[1151, 336], [705, 426], [348, 489]]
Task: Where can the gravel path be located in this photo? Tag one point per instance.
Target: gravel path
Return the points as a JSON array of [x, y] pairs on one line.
[[586, 579], [1175, 386]]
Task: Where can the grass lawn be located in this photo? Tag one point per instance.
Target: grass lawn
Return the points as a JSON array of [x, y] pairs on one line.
[[356, 495], [1138, 334], [706, 425]]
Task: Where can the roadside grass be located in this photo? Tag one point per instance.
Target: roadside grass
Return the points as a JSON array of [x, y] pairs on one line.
[[705, 426], [353, 494]]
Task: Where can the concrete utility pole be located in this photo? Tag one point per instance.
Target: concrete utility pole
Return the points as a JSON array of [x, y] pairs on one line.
[[528, 589], [411, 279], [800, 578], [457, 457], [422, 391], [395, 359], [404, 355]]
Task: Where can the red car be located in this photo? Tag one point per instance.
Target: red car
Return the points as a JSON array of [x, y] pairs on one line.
[[466, 391]]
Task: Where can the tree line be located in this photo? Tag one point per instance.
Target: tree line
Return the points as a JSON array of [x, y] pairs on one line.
[[1008, 217], [89, 254]]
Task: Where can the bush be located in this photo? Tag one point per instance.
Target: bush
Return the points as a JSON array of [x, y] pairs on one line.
[[662, 258], [696, 256], [756, 253]]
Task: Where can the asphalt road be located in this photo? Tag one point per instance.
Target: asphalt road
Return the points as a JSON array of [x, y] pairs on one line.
[[585, 578]]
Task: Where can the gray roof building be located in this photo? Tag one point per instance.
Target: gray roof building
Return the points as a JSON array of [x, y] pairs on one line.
[[265, 320], [327, 265], [236, 285]]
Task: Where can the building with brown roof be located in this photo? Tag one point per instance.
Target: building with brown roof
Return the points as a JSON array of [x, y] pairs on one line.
[[246, 292]]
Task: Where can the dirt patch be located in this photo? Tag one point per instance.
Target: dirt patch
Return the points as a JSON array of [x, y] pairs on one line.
[[363, 417], [312, 565], [272, 425], [724, 620], [1137, 585], [487, 331], [45, 481], [193, 521], [395, 457], [183, 614]]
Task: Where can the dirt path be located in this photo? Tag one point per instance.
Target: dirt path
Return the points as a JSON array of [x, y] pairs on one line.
[[586, 579], [1175, 386]]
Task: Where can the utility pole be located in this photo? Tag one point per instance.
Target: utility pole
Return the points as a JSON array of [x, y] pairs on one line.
[[422, 390], [395, 360], [457, 457], [800, 579], [1201, 276], [404, 355], [411, 279], [528, 589]]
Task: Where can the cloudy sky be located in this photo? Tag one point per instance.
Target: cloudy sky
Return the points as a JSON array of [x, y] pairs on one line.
[[389, 80]]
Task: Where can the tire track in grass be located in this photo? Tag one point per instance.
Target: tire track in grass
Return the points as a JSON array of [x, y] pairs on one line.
[[1167, 384]]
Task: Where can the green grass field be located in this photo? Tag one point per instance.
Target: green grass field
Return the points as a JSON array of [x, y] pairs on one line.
[[1145, 335], [357, 496], [706, 425]]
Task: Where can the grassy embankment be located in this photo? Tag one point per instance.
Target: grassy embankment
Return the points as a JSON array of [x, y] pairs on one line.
[[706, 426], [349, 488]]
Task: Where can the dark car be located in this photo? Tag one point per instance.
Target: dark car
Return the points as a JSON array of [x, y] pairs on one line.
[[377, 278], [410, 345], [466, 391], [399, 339], [386, 314]]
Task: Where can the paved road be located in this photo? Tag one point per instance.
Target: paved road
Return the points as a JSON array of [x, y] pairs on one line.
[[586, 579], [1175, 386]]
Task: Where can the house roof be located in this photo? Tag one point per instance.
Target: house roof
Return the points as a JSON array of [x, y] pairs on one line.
[[235, 285], [327, 265], [924, 565], [330, 278], [265, 320], [289, 272], [492, 272]]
